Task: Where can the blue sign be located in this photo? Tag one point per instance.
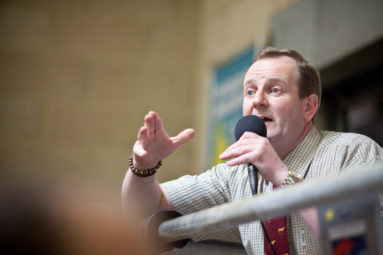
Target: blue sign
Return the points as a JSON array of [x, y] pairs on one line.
[[225, 104]]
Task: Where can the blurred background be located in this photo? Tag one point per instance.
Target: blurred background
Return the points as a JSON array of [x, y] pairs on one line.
[[77, 77]]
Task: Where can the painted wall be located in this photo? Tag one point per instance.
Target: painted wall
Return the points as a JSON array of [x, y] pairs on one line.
[[77, 78]]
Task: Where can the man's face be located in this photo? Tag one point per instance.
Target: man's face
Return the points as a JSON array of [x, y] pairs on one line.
[[271, 92]]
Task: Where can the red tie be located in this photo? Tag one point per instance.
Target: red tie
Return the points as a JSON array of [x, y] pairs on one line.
[[277, 232]]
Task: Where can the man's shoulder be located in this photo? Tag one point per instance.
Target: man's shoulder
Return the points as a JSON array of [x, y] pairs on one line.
[[341, 150], [333, 138]]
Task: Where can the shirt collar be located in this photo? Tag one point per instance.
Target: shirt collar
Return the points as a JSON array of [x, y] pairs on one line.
[[298, 161]]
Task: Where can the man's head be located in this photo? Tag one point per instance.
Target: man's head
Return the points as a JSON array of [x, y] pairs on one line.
[[308, 79], [276, 89]]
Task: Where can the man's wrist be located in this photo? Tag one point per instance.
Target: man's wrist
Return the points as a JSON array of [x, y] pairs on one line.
[[144, 172], [142, 166], [280, 178], [291, 178]]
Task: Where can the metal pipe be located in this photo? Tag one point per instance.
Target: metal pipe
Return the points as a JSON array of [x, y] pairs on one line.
[[316, 192]]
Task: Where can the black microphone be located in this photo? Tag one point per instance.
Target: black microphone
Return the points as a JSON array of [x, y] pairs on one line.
[[251, 123]]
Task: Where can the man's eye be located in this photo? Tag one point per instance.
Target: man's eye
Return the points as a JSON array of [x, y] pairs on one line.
[[275, 90], [250, 92]]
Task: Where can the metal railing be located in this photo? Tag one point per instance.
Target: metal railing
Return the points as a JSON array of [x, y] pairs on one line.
[[348, 184]]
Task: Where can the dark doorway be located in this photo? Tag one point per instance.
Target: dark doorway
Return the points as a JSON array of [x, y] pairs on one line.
[[353, 93]]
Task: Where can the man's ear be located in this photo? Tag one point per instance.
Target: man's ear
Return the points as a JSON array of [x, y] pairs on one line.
[[310, 107]]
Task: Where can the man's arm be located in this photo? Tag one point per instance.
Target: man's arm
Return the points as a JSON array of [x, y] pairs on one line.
[[145, 193], [153, 144]]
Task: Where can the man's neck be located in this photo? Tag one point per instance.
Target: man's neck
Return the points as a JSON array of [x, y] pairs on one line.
[[305, 131]]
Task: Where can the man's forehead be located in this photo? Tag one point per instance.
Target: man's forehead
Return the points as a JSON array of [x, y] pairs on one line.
[[253, 80], [268, 62], [277, 68]]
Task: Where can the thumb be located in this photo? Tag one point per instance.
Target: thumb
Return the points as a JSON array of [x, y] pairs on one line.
[[183, 137]]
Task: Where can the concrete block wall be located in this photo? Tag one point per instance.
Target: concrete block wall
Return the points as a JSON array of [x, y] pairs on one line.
[[77, 78]]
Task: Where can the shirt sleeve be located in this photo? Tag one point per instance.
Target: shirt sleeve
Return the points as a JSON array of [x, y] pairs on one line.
[[189, 194], [193, 193]]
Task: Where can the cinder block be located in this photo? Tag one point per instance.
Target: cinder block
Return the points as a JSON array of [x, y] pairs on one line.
[[111, 81], [95, 69], [94, 35], [21, 156], [23, 28], [90, 125], [42, 77], [21, 118]]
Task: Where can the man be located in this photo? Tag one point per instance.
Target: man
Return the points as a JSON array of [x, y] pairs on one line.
[[282, 88]]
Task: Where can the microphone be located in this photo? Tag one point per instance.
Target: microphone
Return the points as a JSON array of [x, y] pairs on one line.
[[255, 124]]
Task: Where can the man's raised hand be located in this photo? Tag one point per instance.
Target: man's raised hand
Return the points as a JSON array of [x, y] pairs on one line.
[[154, 144]]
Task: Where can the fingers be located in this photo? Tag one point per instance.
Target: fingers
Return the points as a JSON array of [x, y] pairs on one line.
[[245, 150], [240, 147], [183, 137], [148, 131], [150, 124], [143, 136], [235, 152], [230, 152], [154, 124], [158, 122], [138, 150], [152, 138], [242, 159]]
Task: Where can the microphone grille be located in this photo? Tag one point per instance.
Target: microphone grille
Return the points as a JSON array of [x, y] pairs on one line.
[[250, 123]]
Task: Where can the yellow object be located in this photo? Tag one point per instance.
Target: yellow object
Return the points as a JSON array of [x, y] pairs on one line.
[[329, 214], [221, 142], [280, 230]]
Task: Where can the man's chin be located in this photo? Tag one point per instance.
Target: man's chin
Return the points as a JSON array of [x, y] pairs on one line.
[[269, 125], [271, 133]]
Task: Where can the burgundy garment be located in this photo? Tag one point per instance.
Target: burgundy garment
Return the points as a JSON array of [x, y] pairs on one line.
[[277, 231]]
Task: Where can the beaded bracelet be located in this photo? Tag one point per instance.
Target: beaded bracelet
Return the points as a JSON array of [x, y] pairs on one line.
[[143, 173]]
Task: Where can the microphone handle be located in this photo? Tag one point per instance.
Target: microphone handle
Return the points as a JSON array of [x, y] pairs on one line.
[[253, 177]]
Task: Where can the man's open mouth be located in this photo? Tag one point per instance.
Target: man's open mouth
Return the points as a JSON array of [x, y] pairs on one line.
[[266, 119]]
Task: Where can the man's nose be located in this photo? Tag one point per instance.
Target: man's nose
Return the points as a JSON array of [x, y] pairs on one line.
[[260, 99]]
